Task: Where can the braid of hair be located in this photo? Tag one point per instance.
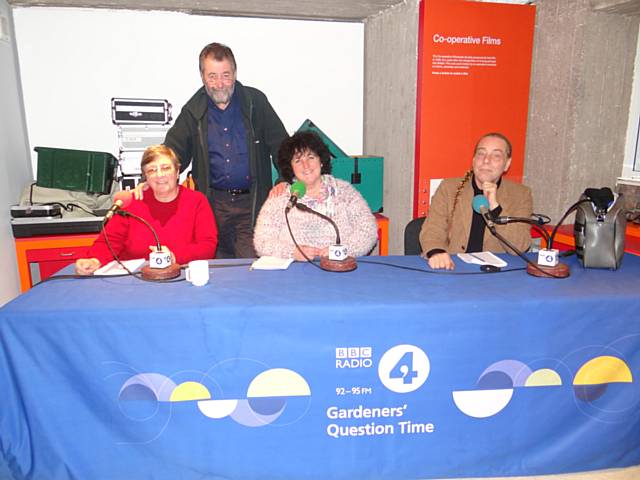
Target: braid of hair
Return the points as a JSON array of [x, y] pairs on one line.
[[464, 180]]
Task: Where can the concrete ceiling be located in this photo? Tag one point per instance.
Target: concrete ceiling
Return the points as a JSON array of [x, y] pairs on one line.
[[337, 10]]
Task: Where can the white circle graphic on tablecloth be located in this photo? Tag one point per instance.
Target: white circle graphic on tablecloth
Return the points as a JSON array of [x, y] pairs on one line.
[[404, 368]]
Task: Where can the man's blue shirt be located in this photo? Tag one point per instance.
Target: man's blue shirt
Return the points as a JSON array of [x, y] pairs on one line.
[[228, 155]]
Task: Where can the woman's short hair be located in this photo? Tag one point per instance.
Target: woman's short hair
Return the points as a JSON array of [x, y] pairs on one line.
[[301, 142], [153, 152]]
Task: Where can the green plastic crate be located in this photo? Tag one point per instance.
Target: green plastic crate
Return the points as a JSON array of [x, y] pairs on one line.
[[364, 173], [85, 171]]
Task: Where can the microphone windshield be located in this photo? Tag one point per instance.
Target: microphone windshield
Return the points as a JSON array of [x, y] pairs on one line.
[[298, 189], [480, 201], [125, 196]]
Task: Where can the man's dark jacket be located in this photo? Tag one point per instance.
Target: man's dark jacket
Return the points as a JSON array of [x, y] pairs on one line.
[[264, 132]]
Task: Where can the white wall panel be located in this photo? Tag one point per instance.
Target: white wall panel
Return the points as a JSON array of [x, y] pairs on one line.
[[74, 61]]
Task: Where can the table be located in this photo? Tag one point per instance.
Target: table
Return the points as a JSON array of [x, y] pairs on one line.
[[385, 372]]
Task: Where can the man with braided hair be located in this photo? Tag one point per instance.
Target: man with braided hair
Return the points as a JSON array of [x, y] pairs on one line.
[[453, 227]]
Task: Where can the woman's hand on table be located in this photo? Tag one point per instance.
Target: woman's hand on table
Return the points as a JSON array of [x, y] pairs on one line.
[[86, 266], [309, 251]]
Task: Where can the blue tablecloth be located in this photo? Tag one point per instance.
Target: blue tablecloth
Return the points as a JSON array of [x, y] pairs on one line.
[[383, 372]]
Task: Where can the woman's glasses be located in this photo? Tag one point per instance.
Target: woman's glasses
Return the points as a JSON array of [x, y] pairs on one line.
[[155, 171]]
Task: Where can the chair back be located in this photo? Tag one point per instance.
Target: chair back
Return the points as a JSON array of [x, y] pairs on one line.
[[412, 236], [189, 182]]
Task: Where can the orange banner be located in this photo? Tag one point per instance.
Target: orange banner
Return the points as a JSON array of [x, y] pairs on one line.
[[473, 78]]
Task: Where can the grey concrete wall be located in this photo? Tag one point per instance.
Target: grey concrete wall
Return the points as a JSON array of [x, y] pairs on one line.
[[390, 73], [581, 82], [14, 153], [579, 103]]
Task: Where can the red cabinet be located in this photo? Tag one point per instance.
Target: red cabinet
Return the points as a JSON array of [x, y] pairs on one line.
[[50, 253]]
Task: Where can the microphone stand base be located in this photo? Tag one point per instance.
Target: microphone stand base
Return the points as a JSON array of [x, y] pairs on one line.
[[167, 273], [346, 265], [561, 270]]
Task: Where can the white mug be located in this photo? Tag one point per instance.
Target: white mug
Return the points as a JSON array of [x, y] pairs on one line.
[[198, 272]]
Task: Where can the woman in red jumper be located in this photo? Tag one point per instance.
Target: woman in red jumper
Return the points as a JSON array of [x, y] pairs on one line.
[[182, 218]]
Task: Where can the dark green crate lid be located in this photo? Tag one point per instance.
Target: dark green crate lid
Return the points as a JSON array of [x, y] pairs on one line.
[[81, 170], [336, 152]]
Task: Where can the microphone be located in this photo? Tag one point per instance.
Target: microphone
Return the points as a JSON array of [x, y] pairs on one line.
[[481, 205], [160, 266], [547, 265], [121, 199], [298, 189], [338, 259]]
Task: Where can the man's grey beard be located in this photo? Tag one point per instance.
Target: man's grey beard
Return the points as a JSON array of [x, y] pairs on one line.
[[222, 96]]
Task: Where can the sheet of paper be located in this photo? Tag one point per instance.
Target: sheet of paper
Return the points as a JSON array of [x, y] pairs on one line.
[[482, 258], [271, 263], [114, 268]]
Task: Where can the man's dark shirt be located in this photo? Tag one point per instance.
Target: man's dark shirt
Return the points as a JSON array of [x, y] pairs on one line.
[[228, 155]]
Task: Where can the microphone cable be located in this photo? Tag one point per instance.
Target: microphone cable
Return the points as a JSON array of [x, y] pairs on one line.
[[110, 247], [87, 277], [67, 207], [481, 205], [566, 214], [438, 272], [295, 243], [534, 265], [360, 261], [138, 275], [125, 213], [305, 208], [117, 259], [535, 219], [534, 223], [134, 274]]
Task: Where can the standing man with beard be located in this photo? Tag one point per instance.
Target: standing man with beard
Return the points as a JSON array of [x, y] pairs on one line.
[[229, 133]]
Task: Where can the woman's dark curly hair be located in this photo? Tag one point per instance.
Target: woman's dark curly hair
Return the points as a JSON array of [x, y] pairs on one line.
[[298, 143]]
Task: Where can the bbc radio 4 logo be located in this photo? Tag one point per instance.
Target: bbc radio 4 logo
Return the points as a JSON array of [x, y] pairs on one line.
[[353, 357]]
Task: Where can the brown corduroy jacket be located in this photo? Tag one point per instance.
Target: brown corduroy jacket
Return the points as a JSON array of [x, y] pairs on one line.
[[452, 235]]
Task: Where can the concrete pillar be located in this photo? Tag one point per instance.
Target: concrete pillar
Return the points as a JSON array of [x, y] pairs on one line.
[[579, 103], [390, 73]]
